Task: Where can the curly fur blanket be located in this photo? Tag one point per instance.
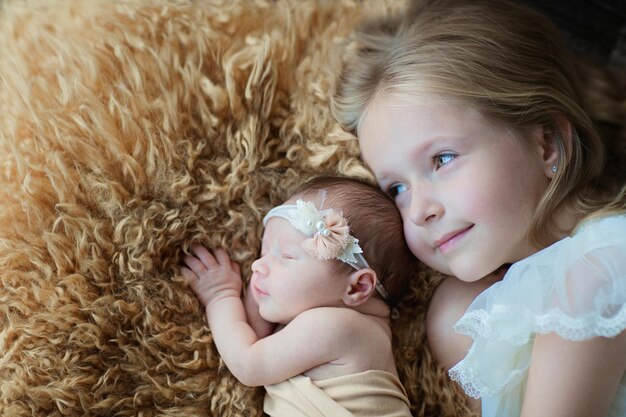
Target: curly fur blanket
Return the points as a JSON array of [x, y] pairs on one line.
[[129, 130]]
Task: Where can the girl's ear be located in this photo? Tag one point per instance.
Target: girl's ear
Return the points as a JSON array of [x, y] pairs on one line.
[[361, 285], [554, 142]]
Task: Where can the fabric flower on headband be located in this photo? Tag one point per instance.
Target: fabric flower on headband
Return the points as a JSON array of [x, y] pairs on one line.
[[328, 231], [331, 235]]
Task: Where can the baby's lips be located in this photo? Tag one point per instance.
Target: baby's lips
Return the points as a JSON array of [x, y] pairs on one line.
[[256, 289]]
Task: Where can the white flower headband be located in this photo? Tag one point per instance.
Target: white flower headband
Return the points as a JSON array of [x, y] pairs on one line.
[[328, 233]]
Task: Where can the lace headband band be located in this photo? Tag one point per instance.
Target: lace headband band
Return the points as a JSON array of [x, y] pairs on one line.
[[328, 233]]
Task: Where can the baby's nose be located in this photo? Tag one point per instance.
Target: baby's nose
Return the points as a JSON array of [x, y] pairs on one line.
[[259, 267]]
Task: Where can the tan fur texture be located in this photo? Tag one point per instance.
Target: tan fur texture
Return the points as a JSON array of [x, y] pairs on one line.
[[128, 131]]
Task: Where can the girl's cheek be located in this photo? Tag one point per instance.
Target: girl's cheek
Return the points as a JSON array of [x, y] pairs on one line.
[[419, 250], [401, 204], [414, 242]]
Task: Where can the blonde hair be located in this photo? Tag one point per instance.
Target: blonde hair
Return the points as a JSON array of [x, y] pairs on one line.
[[510, 63]]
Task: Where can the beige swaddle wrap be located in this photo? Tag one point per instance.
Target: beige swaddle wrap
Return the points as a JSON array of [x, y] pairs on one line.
[[365, 394]]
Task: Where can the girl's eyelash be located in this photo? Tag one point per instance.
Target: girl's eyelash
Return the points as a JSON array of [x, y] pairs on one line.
[[448, 156], [440, 160], [395, 189]]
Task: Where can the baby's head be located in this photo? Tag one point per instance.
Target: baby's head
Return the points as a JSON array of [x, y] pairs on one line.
[[337, 242], [374, 221]]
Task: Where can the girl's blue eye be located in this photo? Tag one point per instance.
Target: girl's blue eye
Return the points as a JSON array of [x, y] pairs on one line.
[[396, 189], [444, 159]]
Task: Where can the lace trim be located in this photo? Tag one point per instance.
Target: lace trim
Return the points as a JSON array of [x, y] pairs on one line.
[[517, 329], [465, 374]]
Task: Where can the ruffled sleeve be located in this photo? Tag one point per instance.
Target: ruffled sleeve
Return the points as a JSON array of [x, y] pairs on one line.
[[575, 288]]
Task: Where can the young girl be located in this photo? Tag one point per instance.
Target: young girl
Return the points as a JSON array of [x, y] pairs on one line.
[[471, 116], [333, 261]]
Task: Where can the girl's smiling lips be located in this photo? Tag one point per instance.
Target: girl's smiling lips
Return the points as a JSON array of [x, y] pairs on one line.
[[446, 242]]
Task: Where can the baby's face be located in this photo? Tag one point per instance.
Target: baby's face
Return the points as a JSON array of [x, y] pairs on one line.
[[286, 280]]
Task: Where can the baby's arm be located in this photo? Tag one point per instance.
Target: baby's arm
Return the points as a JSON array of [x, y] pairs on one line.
[[216, 281], [574, 379], [313, 338]]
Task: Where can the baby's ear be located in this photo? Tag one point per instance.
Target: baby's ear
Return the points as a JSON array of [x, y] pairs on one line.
[[361, 285]]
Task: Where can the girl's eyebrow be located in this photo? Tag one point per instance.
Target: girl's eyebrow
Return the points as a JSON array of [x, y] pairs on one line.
[[426, 147]]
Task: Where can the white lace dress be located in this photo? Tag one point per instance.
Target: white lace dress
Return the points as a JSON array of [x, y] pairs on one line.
[[575, 288]]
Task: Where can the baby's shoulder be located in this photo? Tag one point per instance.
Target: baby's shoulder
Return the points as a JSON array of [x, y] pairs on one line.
[[328, 317], [341, 323]]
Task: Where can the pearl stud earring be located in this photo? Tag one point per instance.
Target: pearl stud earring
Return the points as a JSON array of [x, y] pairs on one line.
[[554, 169]]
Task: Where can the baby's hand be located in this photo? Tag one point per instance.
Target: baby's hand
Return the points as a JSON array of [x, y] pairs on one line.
[[211, 276]]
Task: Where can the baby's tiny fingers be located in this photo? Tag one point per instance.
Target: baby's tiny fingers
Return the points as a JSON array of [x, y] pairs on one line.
[[194, 264], [188, 275], [222, 257], [235, 266], [204, 255]]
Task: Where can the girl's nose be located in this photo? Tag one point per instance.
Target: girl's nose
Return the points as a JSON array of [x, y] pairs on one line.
[[424, 208]]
